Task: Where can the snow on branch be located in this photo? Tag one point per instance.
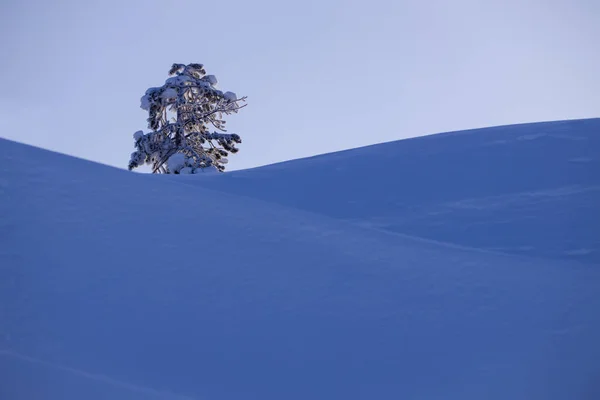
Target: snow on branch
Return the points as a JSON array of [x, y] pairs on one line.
[[180, 116]]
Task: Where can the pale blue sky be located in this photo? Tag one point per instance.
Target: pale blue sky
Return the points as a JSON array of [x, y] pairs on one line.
[[320, 75]]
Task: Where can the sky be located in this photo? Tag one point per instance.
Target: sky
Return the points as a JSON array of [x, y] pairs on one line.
[[320, 76]]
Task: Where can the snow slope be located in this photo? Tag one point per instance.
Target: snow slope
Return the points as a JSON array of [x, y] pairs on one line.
[[116, 285], [530, 189]]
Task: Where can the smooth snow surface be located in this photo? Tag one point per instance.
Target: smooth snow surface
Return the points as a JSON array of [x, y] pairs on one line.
[[531, 189], [300, 283]]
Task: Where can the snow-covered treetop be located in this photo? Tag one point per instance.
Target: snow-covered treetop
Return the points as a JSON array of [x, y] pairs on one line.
[[180, 115]]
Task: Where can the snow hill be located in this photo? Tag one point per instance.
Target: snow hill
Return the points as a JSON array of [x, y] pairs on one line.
[[530, 189], [322, 278]]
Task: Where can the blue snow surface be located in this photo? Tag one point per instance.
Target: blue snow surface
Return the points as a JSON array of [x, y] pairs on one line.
[[530, 189], [455, 266]]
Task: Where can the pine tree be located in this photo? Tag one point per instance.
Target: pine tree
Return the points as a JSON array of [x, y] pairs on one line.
[[180, 115]]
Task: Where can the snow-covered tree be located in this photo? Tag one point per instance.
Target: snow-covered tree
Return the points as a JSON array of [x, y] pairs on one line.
[[182, 113]]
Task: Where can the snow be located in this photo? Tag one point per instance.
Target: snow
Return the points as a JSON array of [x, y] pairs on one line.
[[280, 283], [176, 162], [211, 79], [230, 96], [145, 101], [138, 135], [525, 197], [168, 95]]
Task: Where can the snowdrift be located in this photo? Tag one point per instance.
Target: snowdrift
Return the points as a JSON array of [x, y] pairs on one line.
[[530, 189], [116, 285]]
